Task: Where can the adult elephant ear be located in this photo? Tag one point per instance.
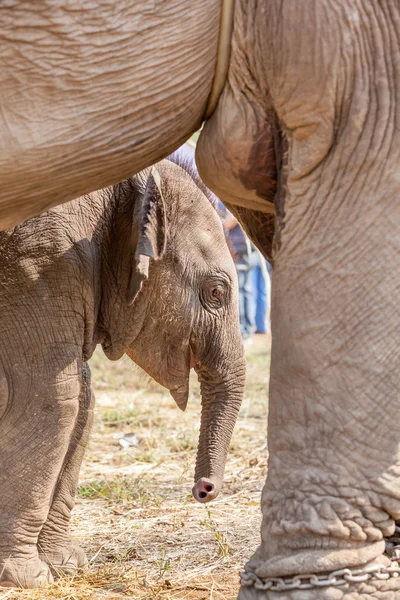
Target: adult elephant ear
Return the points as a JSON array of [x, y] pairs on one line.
[[150, 223]]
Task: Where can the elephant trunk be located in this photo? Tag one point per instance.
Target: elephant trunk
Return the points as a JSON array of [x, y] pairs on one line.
[[221, 399]]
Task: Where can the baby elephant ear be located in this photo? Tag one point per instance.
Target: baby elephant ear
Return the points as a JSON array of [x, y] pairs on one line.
[[152, 237]]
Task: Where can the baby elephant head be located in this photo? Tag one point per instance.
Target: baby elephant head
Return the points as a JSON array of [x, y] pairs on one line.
[[183, 299]]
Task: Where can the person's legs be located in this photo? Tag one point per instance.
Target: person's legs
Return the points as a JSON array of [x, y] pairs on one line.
[[261, 299], [241, 279], [246, 302], [267, 280]]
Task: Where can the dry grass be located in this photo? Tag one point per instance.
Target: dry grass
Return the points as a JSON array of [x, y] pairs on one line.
[[144, 534]]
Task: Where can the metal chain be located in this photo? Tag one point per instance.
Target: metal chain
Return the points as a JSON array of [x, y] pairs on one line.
[[392, 544], [309, 581]]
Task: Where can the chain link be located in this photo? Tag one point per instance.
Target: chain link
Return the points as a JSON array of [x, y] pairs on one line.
[[392, 544], [309, 581]]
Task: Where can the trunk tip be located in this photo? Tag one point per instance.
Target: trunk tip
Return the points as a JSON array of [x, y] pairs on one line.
[[205, 490]]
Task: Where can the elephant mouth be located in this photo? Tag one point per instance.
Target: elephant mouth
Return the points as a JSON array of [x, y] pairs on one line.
[[194, 362]]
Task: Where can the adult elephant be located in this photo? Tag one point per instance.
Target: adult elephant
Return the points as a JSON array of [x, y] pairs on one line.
[[307, 119]]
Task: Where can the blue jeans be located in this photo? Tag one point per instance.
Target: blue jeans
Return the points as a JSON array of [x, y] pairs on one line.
[[260, 298], [244, 269]]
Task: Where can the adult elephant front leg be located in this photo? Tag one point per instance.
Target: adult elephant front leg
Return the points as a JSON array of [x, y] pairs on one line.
[[332, 492], [56, 548], [35, 432], [329, 80]]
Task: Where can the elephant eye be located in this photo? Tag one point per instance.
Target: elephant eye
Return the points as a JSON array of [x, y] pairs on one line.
[[213, 294], [218, 293]]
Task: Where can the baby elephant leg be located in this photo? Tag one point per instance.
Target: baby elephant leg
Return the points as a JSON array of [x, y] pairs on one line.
[[35, 433], [56, 547]]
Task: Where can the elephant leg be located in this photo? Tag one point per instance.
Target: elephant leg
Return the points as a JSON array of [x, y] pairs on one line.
[[56, 548], [329, 79], [35, 433]]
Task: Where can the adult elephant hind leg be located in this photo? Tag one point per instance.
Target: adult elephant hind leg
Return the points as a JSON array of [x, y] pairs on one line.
[[56, 548], [35, 432]]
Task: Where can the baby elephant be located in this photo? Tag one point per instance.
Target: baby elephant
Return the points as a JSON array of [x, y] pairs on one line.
[[141, 268]]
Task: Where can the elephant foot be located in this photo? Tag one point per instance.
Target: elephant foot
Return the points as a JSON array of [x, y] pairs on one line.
[[67, 558], [24, 573]]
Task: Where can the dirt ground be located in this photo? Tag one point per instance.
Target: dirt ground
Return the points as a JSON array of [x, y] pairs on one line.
[[145, 536]]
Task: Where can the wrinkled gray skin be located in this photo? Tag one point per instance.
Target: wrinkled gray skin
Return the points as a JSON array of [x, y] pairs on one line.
[[316, 129], [308, 120], [91, 92], [73, 278]]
